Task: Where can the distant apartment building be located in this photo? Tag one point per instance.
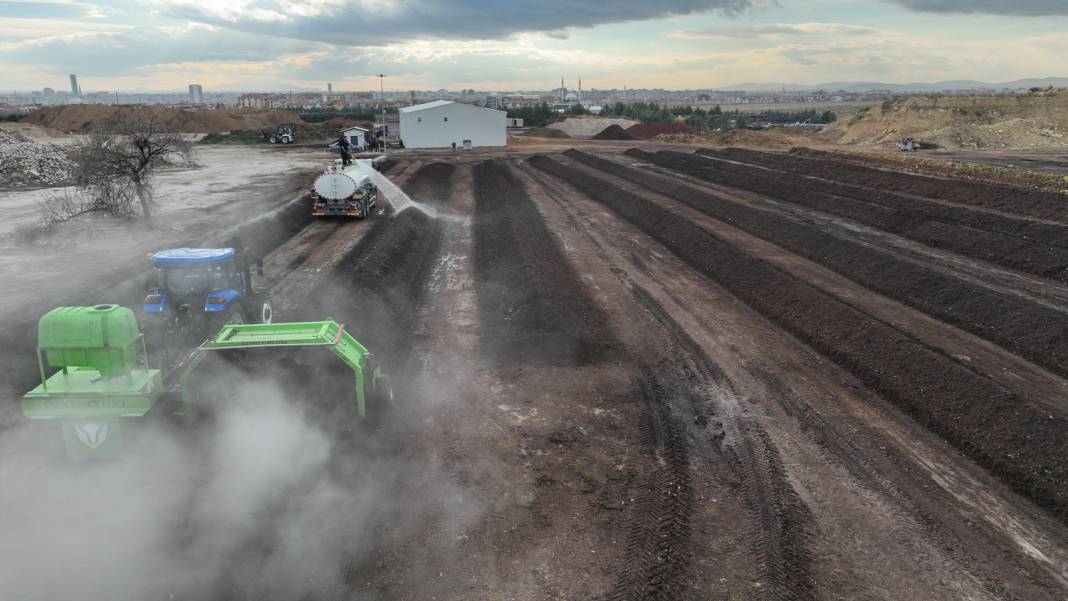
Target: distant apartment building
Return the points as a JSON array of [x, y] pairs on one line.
[[255, 101], [74, 89], [311, 100], [196, 93]]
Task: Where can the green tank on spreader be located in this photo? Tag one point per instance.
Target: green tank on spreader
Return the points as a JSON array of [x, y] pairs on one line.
[[103, 384]]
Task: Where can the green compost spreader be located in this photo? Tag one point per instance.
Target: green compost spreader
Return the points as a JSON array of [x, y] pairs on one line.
[[104, 386], [103, 381]]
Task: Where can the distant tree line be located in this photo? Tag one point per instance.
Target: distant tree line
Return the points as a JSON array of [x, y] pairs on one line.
[[359, 113], [537, 115], [718, 119]]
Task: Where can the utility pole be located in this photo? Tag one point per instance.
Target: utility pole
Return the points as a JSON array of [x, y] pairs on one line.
[[382, 91]]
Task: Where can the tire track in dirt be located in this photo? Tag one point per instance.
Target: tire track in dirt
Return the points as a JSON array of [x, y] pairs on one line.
[[510, 233], [683, 385], [1021, 447], [779, 521]]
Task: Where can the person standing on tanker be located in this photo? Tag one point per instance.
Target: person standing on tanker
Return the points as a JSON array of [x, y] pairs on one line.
[[343, 148]]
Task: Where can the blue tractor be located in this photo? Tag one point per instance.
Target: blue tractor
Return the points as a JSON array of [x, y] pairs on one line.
[[197, 290]]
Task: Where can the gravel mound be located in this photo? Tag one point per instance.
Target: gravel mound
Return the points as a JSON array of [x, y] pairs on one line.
[[27, 163], [587, 128], [613, 132]]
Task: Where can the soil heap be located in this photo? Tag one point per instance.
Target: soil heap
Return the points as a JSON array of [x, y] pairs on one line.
[[24, 162], [82, 118], [613, 132], [648, 131], [1032, 119], [544, 132]]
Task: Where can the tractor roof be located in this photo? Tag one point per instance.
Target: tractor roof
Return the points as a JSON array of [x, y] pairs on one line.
[[191, 256]]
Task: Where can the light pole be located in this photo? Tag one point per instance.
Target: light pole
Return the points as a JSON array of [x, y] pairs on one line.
[[382, 91]]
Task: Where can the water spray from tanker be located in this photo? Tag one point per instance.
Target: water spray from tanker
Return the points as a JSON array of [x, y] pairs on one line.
[[396, 197]]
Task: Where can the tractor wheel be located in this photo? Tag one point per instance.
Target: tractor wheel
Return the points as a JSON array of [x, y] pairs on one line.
[[287, 140], [266, 313], [274, 140], [235, 317], [380, 400]]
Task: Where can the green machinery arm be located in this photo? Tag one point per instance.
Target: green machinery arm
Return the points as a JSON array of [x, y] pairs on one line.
[[298, 334]]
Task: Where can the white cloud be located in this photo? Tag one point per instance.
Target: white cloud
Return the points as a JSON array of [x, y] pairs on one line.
[[773, 31]]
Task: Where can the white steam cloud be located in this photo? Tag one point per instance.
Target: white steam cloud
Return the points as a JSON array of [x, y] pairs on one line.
[[262, 504]]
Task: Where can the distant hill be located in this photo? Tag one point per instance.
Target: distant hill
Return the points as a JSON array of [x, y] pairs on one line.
[[857, 87], [1023, 120]]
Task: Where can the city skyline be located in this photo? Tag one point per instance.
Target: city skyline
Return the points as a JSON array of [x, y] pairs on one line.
[[453, 44]]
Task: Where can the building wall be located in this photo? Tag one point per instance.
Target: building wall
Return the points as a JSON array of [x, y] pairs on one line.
[[439, 127], [356, 138]]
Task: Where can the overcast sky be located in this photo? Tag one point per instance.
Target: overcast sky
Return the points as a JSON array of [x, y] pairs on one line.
[[499, 44]]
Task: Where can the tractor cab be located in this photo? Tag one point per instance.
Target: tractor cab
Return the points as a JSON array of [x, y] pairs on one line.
[[207, 286]]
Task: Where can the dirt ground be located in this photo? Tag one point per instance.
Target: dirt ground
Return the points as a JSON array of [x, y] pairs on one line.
[[225, 186], [664, 375], [1048, 160]]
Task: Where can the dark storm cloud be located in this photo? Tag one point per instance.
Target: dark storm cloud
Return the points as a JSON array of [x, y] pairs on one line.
[[356, 23], [1033, 8]]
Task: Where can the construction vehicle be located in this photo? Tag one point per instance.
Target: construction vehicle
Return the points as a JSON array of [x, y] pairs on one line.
[[283, 134], [346, 191], [195, 290], [105, 388], [908, 145]]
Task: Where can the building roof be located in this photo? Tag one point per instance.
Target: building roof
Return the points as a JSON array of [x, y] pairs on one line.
[[363, 129], [426, 105], [440, 103], [191, 256]]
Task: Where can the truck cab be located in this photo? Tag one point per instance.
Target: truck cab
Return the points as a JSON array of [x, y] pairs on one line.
[[198, 289]]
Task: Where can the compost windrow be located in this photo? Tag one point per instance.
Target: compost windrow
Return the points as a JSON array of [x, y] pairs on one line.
[[1030, 330], [532, 304], [1019, 226], [1022, 446], [970, 233], [1009, 199], [380, 284]]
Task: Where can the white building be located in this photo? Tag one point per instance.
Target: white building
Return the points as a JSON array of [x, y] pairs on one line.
[[357, 136], [442, 123]]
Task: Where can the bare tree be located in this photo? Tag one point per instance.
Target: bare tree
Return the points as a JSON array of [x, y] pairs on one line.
[[117, 162], [60, 208]]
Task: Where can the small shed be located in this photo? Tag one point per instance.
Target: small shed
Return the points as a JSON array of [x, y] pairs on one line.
[[444, 123], [357, 136]]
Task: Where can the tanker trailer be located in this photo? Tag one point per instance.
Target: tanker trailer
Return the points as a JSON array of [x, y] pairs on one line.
[[345, 191]]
